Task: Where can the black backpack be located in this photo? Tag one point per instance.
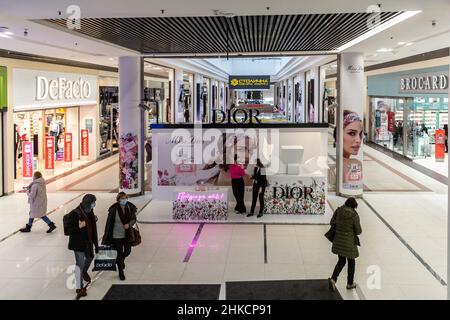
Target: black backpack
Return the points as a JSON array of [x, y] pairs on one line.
[[66, 222]]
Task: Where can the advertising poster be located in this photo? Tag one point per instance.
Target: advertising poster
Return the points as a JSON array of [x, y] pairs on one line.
[[84, 143], [391, 122], [351, 131], [439, 145], [183, 172], [49, 153], [68, 147], [299, 103], [27, 156], [129, 161]]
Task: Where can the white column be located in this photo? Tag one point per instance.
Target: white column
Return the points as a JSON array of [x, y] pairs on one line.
[[198, 83], [351, 100], [177, 104], [448, 219], [322, 76], [131, 138]]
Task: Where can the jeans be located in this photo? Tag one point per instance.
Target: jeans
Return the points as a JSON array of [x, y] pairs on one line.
[[82, 262], [238, 186], [255, 197], [340, 265], [123, 248], [44, 218]]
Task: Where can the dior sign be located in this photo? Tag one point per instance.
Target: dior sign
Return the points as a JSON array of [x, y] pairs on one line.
[[61, 88], [355, 68], [424, 83]]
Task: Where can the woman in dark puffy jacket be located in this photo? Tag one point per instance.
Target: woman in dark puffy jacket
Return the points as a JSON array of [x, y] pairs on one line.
[[345, 242], [118, 229]]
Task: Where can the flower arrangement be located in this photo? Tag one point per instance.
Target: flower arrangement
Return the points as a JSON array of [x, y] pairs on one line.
[[129, 166], [302, 205], [200, 210]]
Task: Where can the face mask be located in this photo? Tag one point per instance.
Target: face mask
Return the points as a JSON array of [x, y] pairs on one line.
[[93, 205], [123, 202]]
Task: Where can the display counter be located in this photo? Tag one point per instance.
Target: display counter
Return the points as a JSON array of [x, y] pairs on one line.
[[295, 194], [211, 204], [186, 158]]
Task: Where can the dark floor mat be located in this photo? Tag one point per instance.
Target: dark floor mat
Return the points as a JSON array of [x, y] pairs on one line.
[[163, 292], [281, 290]]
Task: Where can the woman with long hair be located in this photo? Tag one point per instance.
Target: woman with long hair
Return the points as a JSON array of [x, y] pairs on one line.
[[259, 183]]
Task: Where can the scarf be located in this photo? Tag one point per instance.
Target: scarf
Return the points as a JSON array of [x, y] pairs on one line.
[[125, 217]]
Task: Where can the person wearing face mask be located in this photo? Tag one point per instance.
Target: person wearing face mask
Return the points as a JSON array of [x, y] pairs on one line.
[[37, 198], [121, 218], [81, 225]]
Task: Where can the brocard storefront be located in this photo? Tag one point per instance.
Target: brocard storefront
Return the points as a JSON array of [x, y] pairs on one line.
[[55, 121]]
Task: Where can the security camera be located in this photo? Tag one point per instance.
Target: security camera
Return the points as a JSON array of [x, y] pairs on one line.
[[25, 32], [433, 23]]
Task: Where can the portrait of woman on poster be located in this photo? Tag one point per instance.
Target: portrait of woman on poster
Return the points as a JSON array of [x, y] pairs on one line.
[[352, 139]]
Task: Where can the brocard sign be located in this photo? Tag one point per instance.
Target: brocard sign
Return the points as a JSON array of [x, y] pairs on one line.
[[435, 82]]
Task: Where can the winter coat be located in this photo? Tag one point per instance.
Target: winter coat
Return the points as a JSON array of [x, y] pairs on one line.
[[37, 198], [109, 227], [79, 239], [348, 228]]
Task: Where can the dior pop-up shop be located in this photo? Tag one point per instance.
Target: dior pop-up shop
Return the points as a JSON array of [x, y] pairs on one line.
[[191, 179], [55, 122]]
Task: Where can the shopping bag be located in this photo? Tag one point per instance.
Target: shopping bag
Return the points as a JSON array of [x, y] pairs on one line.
[[105, 260], [136, 236]]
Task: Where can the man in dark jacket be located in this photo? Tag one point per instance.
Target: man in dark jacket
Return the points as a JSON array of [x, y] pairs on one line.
[[82, 227]]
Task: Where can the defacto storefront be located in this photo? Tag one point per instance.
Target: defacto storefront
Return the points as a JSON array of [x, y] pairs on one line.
[[55, 121], [407, 107]]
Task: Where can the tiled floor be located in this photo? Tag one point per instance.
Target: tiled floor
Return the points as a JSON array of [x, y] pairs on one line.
[[39, 266]]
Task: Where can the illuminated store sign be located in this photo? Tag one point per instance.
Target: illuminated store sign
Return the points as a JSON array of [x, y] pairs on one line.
[[249, 82], [38, 90], [436, 82]]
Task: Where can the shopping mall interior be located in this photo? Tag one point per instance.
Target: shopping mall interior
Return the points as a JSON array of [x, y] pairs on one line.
[[174, 103]]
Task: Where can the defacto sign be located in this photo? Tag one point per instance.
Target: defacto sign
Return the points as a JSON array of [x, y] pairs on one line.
[[37, 90], [68, 147], [61, 88], [436, 82], [249, 82], [84, 143], [49, 153], [27, 156]]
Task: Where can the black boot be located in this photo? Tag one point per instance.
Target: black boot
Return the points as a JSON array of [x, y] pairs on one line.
[[51, 227], [121, 275], [26, 229]]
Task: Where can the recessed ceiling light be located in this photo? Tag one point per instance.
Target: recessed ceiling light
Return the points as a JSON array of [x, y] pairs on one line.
[[401, 43], [157, 68], [385, 50], [111, 59], [409, 44]]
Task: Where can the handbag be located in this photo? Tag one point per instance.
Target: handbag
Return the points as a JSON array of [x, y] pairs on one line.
[[331, 233], [136, 236], [105, 260]]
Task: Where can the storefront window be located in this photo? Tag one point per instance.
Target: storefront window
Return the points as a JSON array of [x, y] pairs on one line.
[[109, 104]]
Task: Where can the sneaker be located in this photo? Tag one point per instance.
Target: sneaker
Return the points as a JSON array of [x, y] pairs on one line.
[[351, 286], [331, 284], [87, 278], [81, 293], [51, 227], [250, 215], [26, 229], [259, 215], [121, 276]]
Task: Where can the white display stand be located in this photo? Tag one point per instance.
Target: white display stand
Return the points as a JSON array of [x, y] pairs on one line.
[[211, 204]]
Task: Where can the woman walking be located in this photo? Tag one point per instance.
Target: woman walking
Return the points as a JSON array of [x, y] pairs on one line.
[[259, 183], [121, 218], [37, 198], [345, 242], [81, 225], [237, 174]]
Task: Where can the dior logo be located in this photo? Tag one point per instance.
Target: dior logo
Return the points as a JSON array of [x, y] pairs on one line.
[[230, 116], [355, 68], [292, 192]]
